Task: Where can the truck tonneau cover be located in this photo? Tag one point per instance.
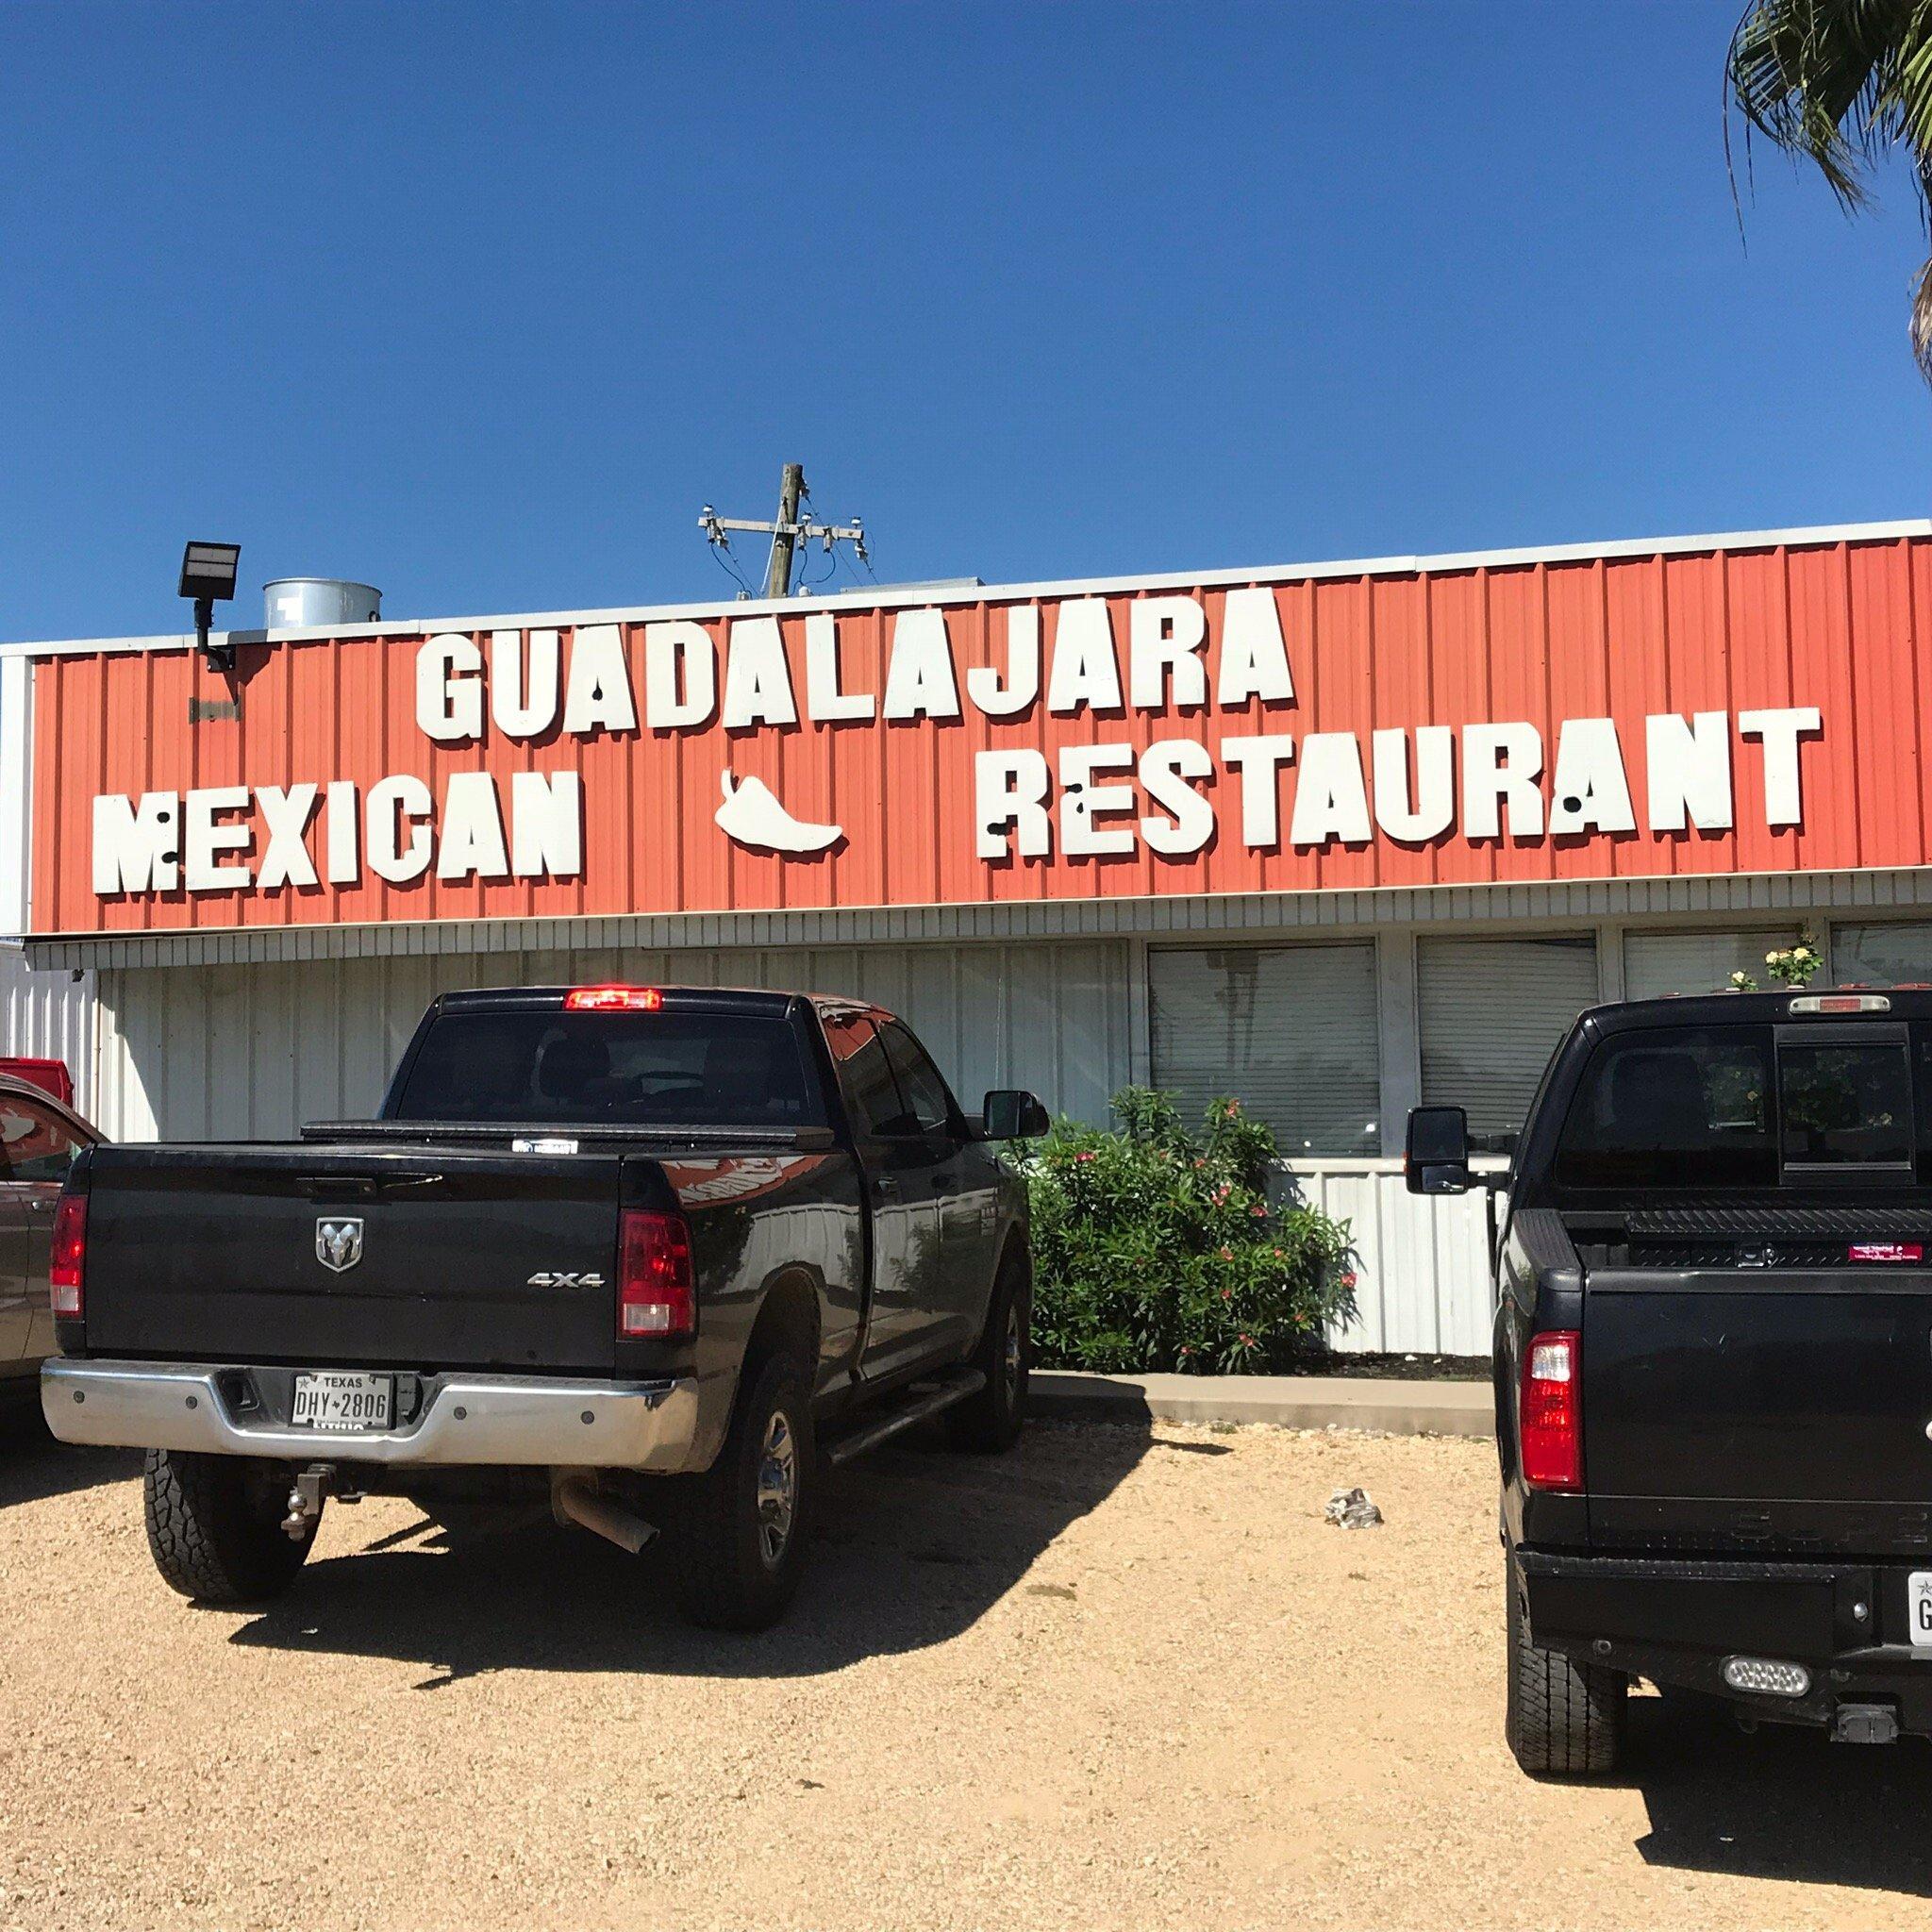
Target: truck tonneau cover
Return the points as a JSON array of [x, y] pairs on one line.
[[711, 1140]]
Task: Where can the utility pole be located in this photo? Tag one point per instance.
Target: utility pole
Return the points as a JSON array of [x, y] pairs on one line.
[[793, 530], [779, 575]]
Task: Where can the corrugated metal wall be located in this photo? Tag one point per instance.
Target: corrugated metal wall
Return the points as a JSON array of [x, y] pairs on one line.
[[236, 1052], [1844, 626], [1421, 1264], [48, 1012]]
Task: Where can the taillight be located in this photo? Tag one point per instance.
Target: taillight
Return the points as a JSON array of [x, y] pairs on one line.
[[653, 1281], [67, 1257], [613, 999], [1551, 1413]]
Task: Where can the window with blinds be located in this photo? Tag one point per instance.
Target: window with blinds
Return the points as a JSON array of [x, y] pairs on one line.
[[1492, 1012], [1881, 955], [1289, 1031], [1657, 964]]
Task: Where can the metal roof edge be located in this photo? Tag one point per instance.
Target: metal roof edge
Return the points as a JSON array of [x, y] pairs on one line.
[[1170, 917], [1807, 537]]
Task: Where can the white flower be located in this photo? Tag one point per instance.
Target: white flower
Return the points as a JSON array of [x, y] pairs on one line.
[[1802, 952], [1771, 959]]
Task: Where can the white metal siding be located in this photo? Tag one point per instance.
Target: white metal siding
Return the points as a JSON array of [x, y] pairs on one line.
[[239, 1052], [48, 1013], [1421, 1263]]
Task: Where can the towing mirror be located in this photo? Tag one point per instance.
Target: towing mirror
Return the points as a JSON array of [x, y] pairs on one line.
[[1013, 1114], [1436, 1159]]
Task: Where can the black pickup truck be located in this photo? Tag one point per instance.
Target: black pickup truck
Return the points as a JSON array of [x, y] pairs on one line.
[[1713, 1363], [647, 1254]]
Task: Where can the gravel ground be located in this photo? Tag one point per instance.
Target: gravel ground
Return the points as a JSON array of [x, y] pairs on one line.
[[1119, 1678]]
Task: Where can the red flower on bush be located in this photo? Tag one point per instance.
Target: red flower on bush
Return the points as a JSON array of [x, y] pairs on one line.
[[1260, 1213], [1088, 1156], [1347, 1280], [1226, 1294], [1228, 1254]]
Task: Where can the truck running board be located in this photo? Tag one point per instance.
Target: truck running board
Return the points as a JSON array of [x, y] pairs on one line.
[[920, 1401]]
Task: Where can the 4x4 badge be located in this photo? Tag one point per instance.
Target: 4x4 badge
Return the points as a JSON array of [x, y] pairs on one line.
[[339, 1242]]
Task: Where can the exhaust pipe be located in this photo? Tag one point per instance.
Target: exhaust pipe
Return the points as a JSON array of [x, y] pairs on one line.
[[574, 1500]]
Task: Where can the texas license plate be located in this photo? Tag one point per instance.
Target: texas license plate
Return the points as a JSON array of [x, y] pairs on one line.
[[335, 1399], [1919, 1607]]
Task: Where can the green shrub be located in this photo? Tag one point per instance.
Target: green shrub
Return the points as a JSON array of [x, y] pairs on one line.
[[1155, 1248]]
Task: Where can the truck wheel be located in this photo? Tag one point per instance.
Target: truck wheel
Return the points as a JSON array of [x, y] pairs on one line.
[[988, 1421], [214, 1525], [746, 1524], [1562, 1719]]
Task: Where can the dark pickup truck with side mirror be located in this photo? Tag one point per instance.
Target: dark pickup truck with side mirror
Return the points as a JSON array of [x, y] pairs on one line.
[[1713, 1364], [647, 1254]]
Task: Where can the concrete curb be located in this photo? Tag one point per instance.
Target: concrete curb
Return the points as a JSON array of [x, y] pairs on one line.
[[1286, 1402]]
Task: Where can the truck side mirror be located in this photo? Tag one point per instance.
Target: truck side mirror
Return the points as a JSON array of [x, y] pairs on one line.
[[1013, 1114], [1435, 1159]]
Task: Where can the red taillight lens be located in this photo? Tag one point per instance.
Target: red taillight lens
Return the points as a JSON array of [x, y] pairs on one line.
[[1552, 1416], [654, 1282], [67, 1259], [613, 999]]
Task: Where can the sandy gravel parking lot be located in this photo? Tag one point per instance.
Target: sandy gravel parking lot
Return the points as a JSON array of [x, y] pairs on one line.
[[1121, 1678]]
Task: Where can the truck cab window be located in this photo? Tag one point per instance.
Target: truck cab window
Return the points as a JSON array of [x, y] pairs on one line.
[[35, 1145], [625, 1068], [865, 1075], [1674, 1108], [1845, 1104], [928, 1102]]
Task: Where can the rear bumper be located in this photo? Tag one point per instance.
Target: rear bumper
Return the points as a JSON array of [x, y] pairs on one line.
[[1679, 1620], [457, 1420]]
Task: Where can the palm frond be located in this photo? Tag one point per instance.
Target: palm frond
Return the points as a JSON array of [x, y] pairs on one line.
[[1842, 83]]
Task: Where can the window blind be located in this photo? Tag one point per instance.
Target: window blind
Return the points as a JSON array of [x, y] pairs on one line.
[[1656, 963], [1491, 1011], [1289, 1031], [1881, 955]]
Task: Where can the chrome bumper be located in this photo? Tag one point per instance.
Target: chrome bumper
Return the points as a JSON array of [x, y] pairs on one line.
[[479, 1420]]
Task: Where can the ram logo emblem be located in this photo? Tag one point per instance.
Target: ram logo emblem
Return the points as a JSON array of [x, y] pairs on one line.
[[339, 1242]]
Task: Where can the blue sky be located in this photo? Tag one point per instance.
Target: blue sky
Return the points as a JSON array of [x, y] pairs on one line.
[[480, 303]]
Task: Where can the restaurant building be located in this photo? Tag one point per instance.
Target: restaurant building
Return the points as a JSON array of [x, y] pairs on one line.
[[1333, 838]]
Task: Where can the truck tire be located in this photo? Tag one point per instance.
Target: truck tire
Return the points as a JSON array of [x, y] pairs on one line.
[[1562, 1719], [988, 1421], [214, 1526], [745, 1526]]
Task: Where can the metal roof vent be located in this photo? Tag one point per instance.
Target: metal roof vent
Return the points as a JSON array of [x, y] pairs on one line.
[[318, 603]]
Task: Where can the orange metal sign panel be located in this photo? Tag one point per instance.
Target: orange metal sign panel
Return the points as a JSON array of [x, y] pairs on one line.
[[1762, 710]]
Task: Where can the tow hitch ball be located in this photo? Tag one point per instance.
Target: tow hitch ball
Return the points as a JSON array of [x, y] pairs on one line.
[[305, 1498]]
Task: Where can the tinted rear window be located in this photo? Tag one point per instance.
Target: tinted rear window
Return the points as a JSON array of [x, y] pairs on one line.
[[1702, 1108], [1845, 1104], [1674, 1108], [625, 1068]]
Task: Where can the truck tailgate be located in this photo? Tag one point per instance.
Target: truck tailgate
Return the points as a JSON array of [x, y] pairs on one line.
[[1736, 1408], [467, 1260]]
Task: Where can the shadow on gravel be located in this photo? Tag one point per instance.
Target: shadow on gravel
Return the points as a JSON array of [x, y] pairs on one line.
[[1781, 1803], [33, 1466], [913, 1547]]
